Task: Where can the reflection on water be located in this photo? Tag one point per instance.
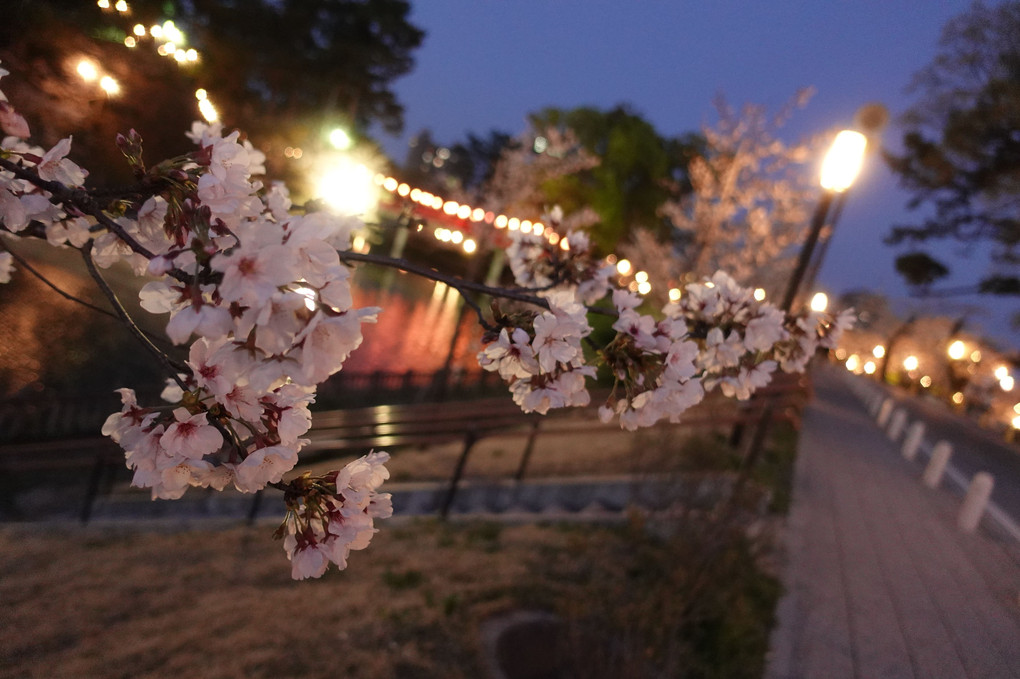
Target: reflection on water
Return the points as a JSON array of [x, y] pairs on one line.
[[415, 327]]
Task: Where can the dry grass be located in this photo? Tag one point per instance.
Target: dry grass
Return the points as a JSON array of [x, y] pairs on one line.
[[220, 603], [119, 603], [217, 600]]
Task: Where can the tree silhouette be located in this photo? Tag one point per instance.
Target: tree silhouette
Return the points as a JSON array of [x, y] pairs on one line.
[[961, 150]]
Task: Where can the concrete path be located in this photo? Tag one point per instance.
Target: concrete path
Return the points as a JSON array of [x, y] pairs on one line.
[[879, 581]]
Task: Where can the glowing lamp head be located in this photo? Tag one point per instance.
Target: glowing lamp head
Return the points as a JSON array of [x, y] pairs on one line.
[[843, 162], [87, 70], [957, 350], [109, 85], [911, 363], [348, 188], [340, 139], [820, 302]]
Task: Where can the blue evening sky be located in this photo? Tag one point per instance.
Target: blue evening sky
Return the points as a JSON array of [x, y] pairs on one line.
[[486, 64]]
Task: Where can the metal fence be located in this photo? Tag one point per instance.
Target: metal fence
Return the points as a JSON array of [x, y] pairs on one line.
[[44, 417]]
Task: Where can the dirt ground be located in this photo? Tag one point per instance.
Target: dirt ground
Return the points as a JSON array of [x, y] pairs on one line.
[[215, 599]]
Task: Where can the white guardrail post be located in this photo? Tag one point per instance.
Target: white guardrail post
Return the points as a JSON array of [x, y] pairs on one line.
[[896, 423], [940, 455], [978, 493], [915, 434], [885, 411]]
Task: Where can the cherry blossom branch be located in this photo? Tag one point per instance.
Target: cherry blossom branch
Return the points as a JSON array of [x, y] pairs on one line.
[[458, 284], [85, 203], [172, 367]]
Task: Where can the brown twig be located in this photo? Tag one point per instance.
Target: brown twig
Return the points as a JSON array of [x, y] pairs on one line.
[[172, 367]]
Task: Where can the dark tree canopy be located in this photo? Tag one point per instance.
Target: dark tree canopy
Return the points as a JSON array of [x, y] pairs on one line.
[[285, 71], [292, 57], [638, 170], [961, 150]]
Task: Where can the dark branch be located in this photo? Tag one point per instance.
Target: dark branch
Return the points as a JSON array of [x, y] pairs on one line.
[[172, 367], [82, 201], [457, 283]]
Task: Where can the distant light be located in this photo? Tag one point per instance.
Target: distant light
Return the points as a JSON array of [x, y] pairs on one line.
[[843, 161], [975, 356], [87, 70], [840, 354], [470, 246], [870, 367], [1000, 372], [674, 294], [191, 55], [1016, 408], [121, 6], [156, 31], [403, 190], [820, 302], [172, 33], [552, 237], [414, 195], [129, 41], [565, 244], [477, 215], [526, 226], [450, 207], [1016, 422], [103, 4], [201, 94], [464, 211], [1007, 383], [513, 223], [541, 144], [457, 237], [138, 30], [853, 363], [501, 221], [958, 398], [211, 115], [911, 363], [109, 85], [925, 381], [623, 267], [878, 351], [437, 203], [641, 276], [957, 350], [644, 287], [759, 294], [181, 56], [390, 184], [340, 139]]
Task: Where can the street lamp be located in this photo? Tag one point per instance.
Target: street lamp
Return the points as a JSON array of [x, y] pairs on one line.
[[839, 170]]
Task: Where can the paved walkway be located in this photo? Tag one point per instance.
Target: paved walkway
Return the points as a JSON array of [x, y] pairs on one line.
[[879, 581]]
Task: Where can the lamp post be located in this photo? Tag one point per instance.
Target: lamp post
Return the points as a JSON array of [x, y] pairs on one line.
[[839, 170]]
